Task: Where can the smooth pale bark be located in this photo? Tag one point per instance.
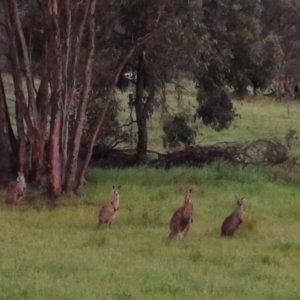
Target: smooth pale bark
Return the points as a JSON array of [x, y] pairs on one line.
[[65, 95], [21, 105], [26, 60], [55, 186], [63, 51], [76, 137], [24, 111], [5, 121]]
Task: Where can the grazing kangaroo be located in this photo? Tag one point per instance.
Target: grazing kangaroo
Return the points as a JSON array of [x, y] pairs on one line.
[[234, 220], [109, 210], [180, 222], [15, 190]]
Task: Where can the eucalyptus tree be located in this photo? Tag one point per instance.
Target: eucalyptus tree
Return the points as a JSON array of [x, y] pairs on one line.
[[54, 45], [173, 49], [218, 42], [281, 19], [240, 57], [66, 34]]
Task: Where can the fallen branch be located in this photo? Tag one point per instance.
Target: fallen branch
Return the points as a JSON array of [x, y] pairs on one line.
[[260, 151]]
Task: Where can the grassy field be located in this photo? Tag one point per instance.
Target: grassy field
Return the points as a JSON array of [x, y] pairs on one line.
[[62, 254], [260, 118]]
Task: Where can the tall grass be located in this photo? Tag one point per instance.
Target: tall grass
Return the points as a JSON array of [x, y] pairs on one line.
[[63, 254]]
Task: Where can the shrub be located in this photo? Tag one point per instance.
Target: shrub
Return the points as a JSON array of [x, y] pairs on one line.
[[177, 132]]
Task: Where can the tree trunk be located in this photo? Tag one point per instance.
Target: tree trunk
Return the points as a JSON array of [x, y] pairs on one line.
[[76, 138], [38, 145], [142, 142], [141, 147], [27, 64], [142, 107], [254, 91], [5, 119], [142, 121], [55, 186], [63, 38], [35, 126], [55, 182], [9, 155], [21, 133], [102, 113], [65, 106], [106, 103]]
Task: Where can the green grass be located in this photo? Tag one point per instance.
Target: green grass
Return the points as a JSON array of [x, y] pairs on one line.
[[260, 118], [62, 254]]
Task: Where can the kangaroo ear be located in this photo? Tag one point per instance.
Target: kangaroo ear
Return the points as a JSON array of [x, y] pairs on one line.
[[113, 186], [119, 186], [191, 190]]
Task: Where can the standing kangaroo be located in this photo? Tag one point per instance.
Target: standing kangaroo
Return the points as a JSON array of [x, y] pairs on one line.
[[234, 220], [109, 210], [180, 222], [15, 190]]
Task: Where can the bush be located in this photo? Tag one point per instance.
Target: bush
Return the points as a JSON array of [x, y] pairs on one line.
[[177, 132], [216, 110]]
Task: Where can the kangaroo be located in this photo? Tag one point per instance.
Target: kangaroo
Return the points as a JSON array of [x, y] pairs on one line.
[[15, 189], [180, 222], [234, 220], [109, 210]]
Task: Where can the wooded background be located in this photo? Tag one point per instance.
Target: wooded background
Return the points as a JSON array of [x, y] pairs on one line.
[[68, 58]]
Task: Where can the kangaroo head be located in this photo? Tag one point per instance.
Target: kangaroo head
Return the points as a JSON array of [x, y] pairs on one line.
[[20, 177], [21, 180], [239, 201], [188, 196], [115, 191]]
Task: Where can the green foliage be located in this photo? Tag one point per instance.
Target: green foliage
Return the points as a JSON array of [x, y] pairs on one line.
[[32, 22], [266, 56], [111, 133], [177, 132], [216, 110], [280, 18], [292, 67], [240, 55]]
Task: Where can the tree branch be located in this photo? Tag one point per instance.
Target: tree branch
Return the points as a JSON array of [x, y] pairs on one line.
[[29, 77], [128, 124], [73, 161]]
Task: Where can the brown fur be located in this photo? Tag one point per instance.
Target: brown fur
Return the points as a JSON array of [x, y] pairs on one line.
[[180, 222], [15, 190], [109, 210], [234, 220]]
